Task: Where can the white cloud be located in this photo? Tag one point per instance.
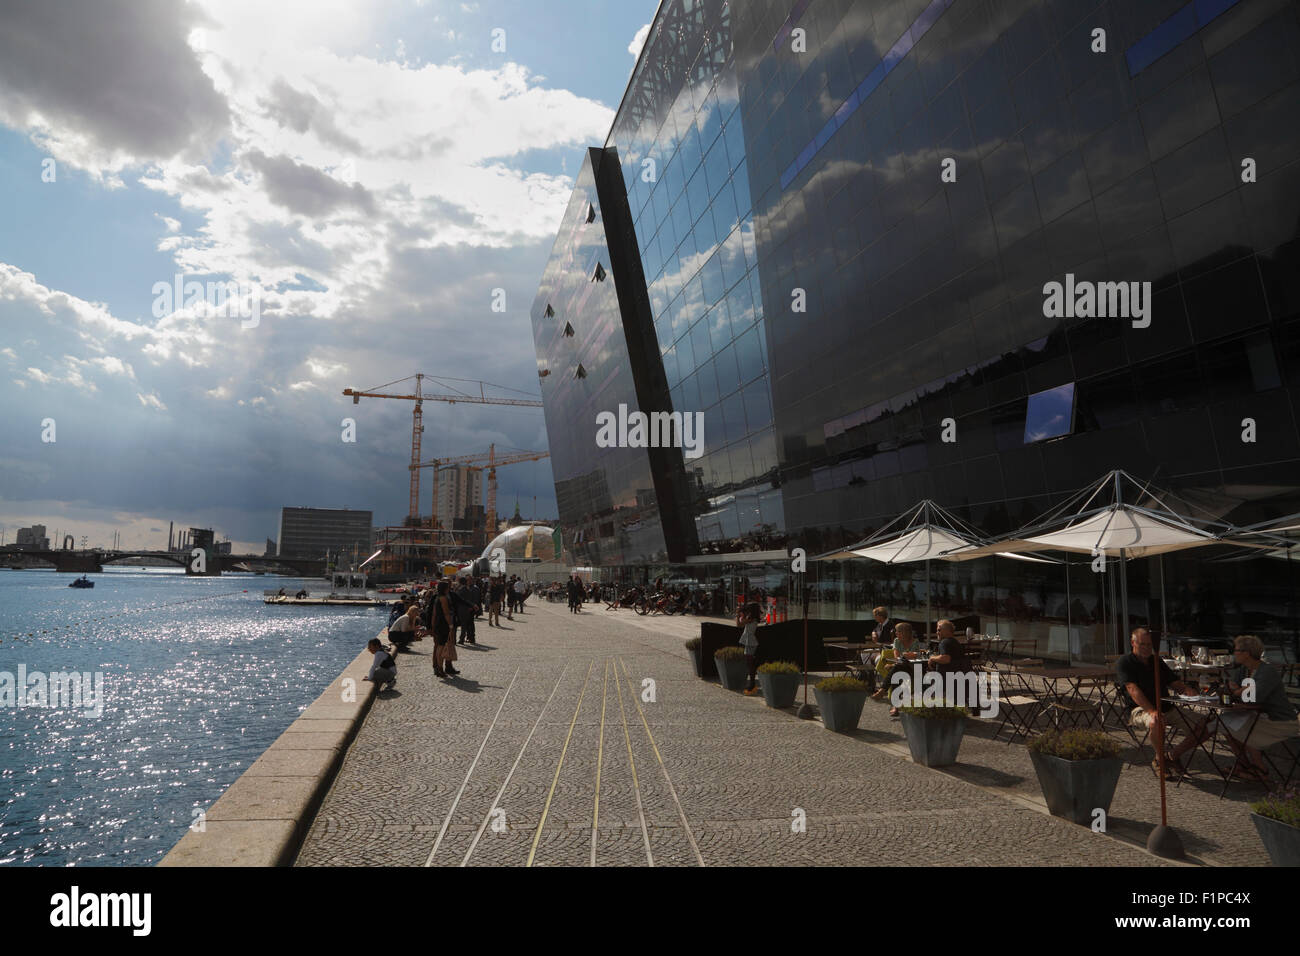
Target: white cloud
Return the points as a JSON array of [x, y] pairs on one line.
[[151, 401], [638, 41]]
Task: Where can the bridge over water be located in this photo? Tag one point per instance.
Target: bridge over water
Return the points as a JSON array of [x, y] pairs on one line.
[[94, 560]]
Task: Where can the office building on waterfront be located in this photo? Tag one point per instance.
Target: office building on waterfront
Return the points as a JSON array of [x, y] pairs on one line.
[[33, 538], [978, 251], [311, 532], [460, 494]]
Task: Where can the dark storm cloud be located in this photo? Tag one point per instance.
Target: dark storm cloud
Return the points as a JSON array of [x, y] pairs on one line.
[[306, 190], [118, 71]]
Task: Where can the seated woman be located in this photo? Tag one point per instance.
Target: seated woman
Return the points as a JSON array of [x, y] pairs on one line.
[[1277, 720], [406, 629], [909, 650]]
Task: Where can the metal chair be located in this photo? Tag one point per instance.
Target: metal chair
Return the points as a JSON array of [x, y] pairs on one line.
[[1019, 705]]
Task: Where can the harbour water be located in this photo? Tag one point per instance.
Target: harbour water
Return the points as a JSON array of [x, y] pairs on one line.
[[199, 678]]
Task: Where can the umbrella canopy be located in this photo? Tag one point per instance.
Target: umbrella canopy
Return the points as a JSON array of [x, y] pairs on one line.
[[1116, 516]]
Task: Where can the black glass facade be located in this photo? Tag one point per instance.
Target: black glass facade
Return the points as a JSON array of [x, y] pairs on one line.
[[846, 215]]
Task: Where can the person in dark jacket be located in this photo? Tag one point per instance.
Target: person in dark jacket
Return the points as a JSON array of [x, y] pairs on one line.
[[467, 604], [575, 595]]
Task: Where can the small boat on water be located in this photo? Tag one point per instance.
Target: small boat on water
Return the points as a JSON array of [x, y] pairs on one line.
[[82, 582]]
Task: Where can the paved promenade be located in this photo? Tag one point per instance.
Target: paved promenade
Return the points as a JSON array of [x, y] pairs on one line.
[[547, 751]]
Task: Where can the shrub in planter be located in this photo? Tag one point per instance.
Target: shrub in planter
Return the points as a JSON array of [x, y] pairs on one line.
[[933, 733], [1077, 771], [780, 682], [693, 648], [732, 669], [1277, 820], [841, 699]]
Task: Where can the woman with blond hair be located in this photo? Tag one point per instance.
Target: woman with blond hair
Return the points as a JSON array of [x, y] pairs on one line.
[[1277, 718]]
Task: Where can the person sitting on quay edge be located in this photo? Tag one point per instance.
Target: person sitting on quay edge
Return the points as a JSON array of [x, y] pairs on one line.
[[1277, 719], [383, 669], [1135, 673], [406, 629]]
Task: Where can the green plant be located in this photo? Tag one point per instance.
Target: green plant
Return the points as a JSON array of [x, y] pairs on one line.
[[732, 652], [779, 667], [693, 644], [1282, 807], [937, 713], [832, 685], [1075, 745]]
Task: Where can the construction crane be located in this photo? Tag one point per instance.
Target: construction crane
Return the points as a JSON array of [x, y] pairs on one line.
[[493, 462], [417, 415]]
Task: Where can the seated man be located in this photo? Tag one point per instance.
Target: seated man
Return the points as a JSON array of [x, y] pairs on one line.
[[1277, 720], [883, 632], [951, 657], [1136, 675]]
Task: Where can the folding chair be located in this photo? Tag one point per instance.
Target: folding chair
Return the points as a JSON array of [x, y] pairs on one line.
[[1019, 706], [1290, 754]]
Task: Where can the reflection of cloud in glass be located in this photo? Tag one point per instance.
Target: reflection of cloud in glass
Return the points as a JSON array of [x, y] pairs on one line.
[[1050, 413]]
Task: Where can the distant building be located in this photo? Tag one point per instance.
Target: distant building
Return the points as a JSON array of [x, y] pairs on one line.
[[223, 547], [460, 490], [310, 532], [33, 538], [270, 548]]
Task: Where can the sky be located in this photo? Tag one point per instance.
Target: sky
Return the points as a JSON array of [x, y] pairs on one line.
[[359, 178]]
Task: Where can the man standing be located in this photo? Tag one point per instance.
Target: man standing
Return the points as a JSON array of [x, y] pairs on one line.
[[575, 595], [496, 594], [467, 606]]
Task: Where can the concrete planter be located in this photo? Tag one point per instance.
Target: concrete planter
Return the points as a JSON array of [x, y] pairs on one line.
[[694, 652], [841, 709], [1074, 789], [934, 741], [1281, 840], [733, 673], [779, 690]]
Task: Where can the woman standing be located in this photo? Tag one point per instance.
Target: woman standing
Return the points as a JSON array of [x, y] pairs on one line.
[[747, 619], [444, 650]]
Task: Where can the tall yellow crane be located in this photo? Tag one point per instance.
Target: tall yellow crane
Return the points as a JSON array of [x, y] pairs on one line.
[[493, 462], [417, 414]]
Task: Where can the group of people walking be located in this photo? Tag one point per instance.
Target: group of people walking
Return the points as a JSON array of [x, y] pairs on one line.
[[448, 612]]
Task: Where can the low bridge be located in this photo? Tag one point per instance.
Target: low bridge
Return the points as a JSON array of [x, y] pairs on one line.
[[94, 560]]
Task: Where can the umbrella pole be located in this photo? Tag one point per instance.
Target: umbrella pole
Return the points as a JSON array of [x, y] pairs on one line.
[[1163, 840], [805, 711], [927, 599], [1069, 630]]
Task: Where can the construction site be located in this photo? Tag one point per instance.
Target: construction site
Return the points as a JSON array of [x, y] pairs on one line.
[[461, 520]]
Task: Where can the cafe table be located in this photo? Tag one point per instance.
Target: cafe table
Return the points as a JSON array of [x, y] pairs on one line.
[[1072, 694], [1216, 714]]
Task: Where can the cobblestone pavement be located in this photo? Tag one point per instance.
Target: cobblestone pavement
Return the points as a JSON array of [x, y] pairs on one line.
[[547, 750]]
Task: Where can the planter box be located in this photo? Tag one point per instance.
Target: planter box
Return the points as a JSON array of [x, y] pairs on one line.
[[779, 690], [733, 674], [695, 662], [934, 741], [841, 710], [1280, 839], [1074, 789]]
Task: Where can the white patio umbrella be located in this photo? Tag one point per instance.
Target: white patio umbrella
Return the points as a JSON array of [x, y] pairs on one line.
[[1119, 517]]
